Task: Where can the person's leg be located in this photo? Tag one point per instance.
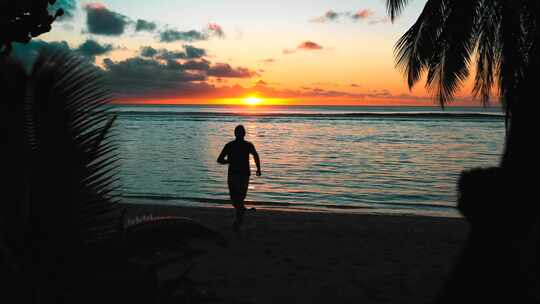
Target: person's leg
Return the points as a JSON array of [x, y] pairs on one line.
[[243, 189], [235, 192], [239, 220], [244, 185], [238, 186]]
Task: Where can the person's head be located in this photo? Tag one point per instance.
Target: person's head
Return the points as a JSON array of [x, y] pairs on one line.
[[239, 132]]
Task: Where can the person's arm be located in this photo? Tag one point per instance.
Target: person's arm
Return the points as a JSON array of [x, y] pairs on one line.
[[257, 160], [221, 159]]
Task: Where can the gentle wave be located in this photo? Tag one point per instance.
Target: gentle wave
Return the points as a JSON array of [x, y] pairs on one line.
[[318, 115]]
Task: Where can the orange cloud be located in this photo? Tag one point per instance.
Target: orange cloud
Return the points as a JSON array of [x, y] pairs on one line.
[[310, 45], [363, 14]]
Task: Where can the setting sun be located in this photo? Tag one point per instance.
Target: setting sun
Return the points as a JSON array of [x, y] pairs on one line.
[[252, 100]]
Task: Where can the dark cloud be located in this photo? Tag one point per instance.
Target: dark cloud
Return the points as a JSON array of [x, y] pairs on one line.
[[354, 85], [103, 21], [140, 68], [27, 53], [174, 35], [68, 6], [148, 51], [139, 77], [148, 90], [170, 55], [143, 25], [224, 70], [152, 77], [190, 52], [91, 48], [194, 52], [147, 79], [310, 45], [269, 60], [202, 65], [219, 70]]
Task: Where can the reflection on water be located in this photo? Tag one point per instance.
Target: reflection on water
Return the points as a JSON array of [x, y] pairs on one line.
[[382, 164]]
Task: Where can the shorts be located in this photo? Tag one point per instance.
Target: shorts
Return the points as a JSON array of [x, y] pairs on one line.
[[238, 187]]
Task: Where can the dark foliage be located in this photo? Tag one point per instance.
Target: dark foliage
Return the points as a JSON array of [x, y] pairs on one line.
[[22, 20], [450, 34], [500, 259], [62, 232]]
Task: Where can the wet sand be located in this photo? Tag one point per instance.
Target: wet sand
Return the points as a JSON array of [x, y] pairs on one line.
[[308, 257]]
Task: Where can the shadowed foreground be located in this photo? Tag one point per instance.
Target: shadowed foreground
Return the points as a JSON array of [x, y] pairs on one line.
[[292, 257]]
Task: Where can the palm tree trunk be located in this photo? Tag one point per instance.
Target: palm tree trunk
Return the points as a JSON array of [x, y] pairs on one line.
[[520, 157], [521, 164]]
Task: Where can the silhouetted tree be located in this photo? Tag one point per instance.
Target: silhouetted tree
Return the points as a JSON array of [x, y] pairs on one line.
[[500, 40], [63, 237], [22, 20]]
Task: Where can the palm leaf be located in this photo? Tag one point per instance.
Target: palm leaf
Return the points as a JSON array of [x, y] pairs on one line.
[[395, 7], [488, 51], [72, 164], [416, 47], [453, 50]]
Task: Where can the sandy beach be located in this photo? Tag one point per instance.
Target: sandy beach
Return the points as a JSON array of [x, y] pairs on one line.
[[308, 257]]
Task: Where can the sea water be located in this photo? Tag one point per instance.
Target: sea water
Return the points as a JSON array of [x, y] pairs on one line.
[[402, 160]]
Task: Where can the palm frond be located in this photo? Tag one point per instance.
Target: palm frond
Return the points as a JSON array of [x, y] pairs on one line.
[[415, 48], [488, 51], [73, 166], [449, 68], [395, 7]]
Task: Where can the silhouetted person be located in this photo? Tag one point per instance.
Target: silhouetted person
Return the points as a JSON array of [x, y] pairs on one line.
[[236, 155]]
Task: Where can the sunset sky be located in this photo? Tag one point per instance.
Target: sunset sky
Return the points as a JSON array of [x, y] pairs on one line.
[[217, 51]]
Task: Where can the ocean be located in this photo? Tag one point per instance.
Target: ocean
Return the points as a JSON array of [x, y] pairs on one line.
[[385, 160]]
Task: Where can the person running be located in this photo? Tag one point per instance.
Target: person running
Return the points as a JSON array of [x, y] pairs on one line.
[[236, 155]]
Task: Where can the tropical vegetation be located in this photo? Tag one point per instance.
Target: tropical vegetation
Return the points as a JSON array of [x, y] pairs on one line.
[[499, 41], [64, 235]]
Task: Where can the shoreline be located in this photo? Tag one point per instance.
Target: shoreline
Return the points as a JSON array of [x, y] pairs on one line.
[[443, 212], [315, 257]]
